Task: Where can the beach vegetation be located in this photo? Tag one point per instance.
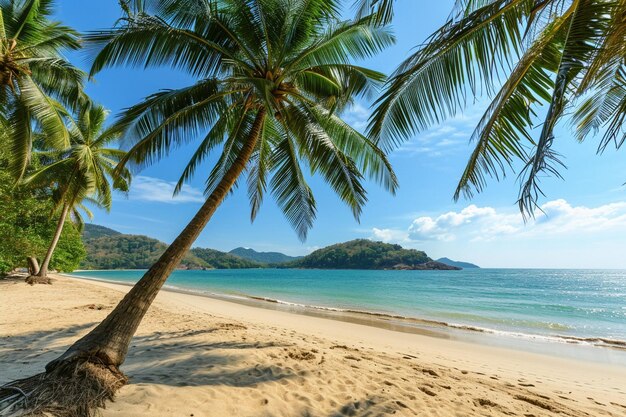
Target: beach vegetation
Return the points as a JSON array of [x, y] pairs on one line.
[[81, 174], [26, 227], [273, 79], [37, 84]]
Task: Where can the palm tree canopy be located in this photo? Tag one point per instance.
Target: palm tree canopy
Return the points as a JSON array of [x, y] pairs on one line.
[[380, 10], [84, 172], [36, 82], [287, 62], [568, 54]]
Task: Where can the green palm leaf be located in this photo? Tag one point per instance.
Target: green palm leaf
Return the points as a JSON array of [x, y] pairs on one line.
[[524, 54], [37, 84], [288, 61]]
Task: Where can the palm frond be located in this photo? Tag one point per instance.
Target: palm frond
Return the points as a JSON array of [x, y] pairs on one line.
[[381, 11], [325, 157], [343, 41], [588, 22], [290, 189], [168, 119], [149, 41], [504, 131], [261, 165], [465, 57]]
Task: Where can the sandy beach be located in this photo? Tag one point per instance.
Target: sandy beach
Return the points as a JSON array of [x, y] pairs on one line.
[[197, 356]]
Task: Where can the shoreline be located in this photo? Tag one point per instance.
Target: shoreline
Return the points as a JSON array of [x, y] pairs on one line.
[[571, 346], [213, 358]]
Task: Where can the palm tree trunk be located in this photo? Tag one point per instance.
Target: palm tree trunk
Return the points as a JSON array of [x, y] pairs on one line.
[[43, 270], [108, 343]]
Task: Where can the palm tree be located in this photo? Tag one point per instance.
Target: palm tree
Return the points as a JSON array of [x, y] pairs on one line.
[[36, 82], [273, 77], [568, 54], [82, 173]]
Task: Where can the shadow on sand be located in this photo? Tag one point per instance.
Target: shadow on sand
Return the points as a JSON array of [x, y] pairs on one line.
[[154, 358]]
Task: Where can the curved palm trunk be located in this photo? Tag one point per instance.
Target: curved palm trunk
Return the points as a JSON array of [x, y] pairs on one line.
[[43, 270], [108, 343]]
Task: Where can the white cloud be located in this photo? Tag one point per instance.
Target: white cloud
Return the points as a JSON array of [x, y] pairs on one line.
[[356, 116], [437, 141], [390, 235], [560, 217], [442, 227], [160, 191], [476, 224], [452, 135]]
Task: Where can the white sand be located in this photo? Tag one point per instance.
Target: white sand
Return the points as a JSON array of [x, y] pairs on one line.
[[204, 357]]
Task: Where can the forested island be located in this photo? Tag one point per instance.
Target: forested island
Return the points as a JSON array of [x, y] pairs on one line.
[[367, 254]]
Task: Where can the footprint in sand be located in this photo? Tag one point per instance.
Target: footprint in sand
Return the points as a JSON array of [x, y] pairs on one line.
[[430, 372], [484, 402], [536, 402], [427, 391]]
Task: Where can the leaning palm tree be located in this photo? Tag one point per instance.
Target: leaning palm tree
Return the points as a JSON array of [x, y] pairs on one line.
[[568, 54], [36, 82], [83, 173], [273, 79]]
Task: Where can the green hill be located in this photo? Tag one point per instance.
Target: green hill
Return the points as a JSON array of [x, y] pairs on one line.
[[366, 254], [263, 257], [92, 231], [109, 249], [223, 260], [130, 252]]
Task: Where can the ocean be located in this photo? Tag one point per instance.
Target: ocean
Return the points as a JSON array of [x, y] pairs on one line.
[[571, 306]]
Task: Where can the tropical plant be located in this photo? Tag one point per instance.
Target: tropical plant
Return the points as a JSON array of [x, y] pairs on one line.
[[381, 11], [274, 76], [26, 227], [36, 83], [82, 173], [568, 54]]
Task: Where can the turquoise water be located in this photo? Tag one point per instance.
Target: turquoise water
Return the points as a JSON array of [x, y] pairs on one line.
[[551, 303]]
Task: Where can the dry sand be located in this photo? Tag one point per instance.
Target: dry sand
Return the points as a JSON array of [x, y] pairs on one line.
[[196, 356]]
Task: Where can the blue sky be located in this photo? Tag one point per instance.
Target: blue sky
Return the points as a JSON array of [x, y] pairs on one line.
[[585, 215]]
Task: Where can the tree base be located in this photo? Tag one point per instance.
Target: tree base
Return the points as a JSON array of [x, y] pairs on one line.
[[73, 390], [36, 279]]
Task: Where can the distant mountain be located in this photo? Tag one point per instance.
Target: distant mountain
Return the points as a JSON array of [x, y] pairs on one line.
[[223, 260], [263, 257], [366, 254], [92, 231], [464, 265]]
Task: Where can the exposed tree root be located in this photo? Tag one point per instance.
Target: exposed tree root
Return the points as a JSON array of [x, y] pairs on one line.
[[36, 279], [74, 390]]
